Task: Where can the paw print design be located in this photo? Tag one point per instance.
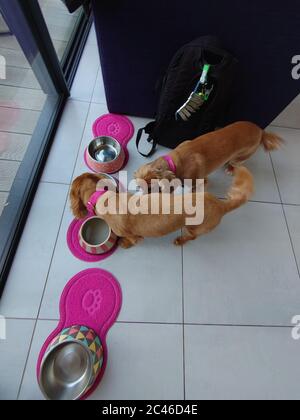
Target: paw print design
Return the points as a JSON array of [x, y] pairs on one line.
[[114, 129], [92, 301]]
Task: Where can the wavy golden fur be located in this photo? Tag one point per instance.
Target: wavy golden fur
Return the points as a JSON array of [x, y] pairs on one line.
[[132, 228], [196, 159]]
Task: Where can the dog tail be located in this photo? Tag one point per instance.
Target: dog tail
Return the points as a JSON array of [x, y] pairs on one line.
[[241, 190], [271, 141]]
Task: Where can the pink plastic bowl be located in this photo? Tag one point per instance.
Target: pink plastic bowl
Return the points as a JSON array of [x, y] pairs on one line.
[[105, 154]]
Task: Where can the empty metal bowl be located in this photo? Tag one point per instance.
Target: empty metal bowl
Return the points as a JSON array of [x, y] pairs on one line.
[[71, 364], [105, 154], [96, 237]]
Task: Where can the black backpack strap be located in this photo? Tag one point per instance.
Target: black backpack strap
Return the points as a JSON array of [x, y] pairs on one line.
[[148, 130]]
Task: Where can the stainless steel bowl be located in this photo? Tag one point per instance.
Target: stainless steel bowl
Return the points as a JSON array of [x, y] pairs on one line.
[[104, 149], [67, 371], [105, 154]]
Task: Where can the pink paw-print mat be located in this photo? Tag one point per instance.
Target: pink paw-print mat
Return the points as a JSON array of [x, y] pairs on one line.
[[93, 299], [117, 126]]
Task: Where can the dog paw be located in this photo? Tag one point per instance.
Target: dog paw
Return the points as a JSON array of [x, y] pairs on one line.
[[125, 244], [179, 241], [229, 170]]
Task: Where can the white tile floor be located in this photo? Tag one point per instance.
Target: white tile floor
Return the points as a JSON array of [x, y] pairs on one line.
[[210, 321]]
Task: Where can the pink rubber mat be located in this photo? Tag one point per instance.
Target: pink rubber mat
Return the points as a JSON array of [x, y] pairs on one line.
[[117, 126], [77, 250], [92, 298]]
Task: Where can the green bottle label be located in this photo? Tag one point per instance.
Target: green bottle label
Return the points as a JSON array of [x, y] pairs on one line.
[[206, 69]]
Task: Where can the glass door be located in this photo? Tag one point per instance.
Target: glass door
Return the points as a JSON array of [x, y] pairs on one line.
[[38, 55], [61, 24]]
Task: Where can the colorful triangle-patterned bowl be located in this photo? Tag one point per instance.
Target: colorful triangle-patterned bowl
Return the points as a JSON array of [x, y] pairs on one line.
[[71, 364]]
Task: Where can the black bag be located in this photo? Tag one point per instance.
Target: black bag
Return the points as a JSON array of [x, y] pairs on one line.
[[180, 81]]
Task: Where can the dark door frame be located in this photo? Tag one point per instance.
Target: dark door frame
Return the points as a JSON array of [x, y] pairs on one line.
[[25, 17]]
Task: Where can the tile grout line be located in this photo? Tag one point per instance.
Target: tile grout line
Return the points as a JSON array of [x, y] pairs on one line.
[[284, 127], [84, 129], [291, 205], [74, 99], [238, 325], [21, 108], [291, 240], [10, 160], [38, 111], [99, 103], [193, 324], [41, 301], [90, 101], [49, 268], [15, 132], [21, 66], [23, 87], [12, 318], [85, 126], [10, 49], [26, 360], [94, 88], [265, 202], [55, 183], [13, 66], [285, 217], [273, 202]]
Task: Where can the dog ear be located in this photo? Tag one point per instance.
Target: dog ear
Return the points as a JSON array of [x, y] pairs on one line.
[[164, 174], [170, 175], [77, 206]]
